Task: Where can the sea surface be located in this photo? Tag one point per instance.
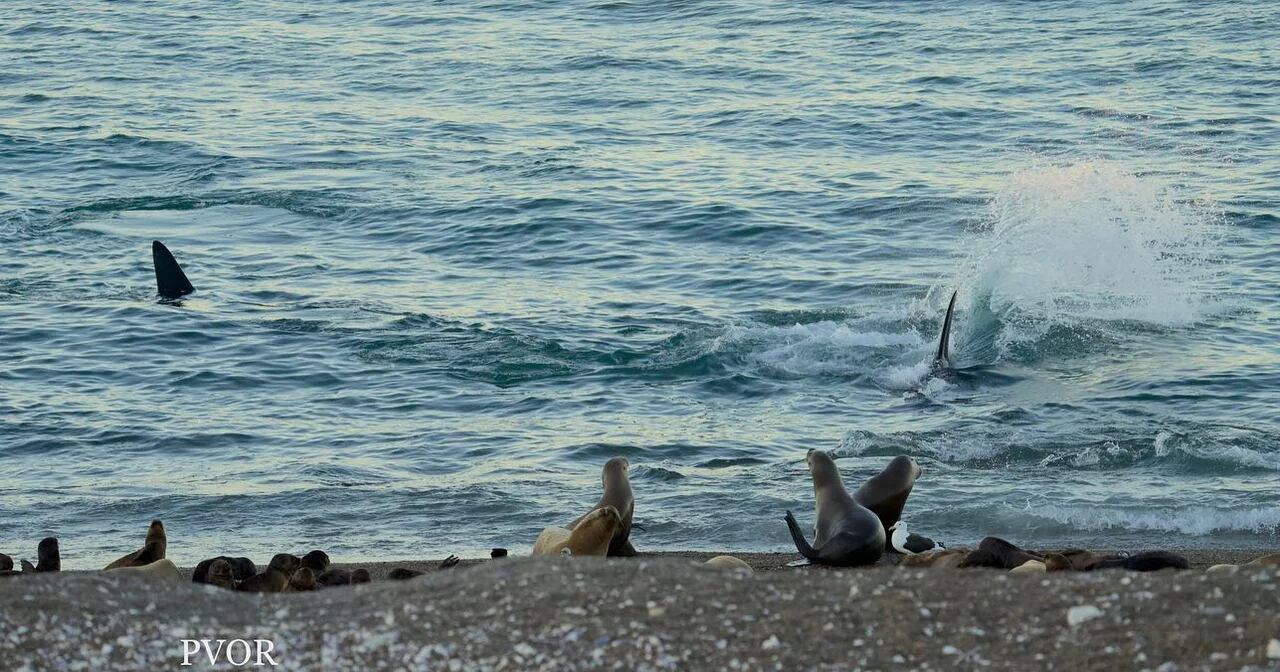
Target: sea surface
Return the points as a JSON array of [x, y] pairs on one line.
[[452, 257]]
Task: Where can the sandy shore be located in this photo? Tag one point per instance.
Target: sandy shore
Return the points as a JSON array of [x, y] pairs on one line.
[[662, 612]]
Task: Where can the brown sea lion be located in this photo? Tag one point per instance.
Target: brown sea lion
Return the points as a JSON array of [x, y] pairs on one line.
[[302, 581], [997, 553], [617, 493], [241, 568], [220, 573], [948, 558], [317, 561], [404, 574], [1070, 560], [848, 533], [153, 549], [886, 493], [591, 536], [275, 578], [360, 575], [161, 569]]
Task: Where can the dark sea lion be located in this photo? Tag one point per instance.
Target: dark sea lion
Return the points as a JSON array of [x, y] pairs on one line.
[[998, 553], [498, 553], [317, 561], [48, 558], [219, 573], [28, 568], [152, 549], [360, 576], [334, 577], [241, 568], [617, 493], [1149, 561], [848, 533], [275, 578], [886, 493], [302, 581], [593, 535], [404, 574], [6, 563]]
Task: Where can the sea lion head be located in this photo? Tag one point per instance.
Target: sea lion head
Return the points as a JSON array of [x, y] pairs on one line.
[[285, 562], [905, 464], [616, 471], [317, 561], [155, 532], [822, 467], [219, 574], [302, 580], [48, 558], [593, 534]]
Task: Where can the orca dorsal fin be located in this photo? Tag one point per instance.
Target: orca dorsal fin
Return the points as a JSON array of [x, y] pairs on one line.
[[944, 342], [171, 282]]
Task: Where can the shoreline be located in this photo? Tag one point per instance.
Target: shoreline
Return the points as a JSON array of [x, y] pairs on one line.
[[662, 612]]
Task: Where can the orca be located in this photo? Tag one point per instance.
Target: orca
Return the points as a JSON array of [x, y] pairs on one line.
[[942, 360], [171, 282]]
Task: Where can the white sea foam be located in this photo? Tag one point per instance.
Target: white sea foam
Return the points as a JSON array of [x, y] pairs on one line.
[[1187, 520], [1087, 242]]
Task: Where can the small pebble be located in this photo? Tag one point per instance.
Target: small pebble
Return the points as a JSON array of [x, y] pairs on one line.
[[1273, 649], [1079, 614]]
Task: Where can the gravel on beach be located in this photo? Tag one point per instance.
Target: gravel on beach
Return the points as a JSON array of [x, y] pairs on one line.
[[664, 612]]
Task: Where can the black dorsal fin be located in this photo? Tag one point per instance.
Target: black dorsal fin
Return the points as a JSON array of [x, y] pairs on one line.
[[171, 282], [944, 343]]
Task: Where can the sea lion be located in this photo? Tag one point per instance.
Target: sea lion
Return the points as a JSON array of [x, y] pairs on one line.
[[886, 493], [498, 553], [1148, 561], [997, 553], [152, 549], [1272, 560], [220, 573], [317, 561], [162, 569], [303, 580], [6, 563], [592, 535], [275, 578], [360, 576], [617, 493], [848, 533], [1070, 560], [948, 558], [1029, 567], [334, 577], [729, 562], [241, 568], [48, 559], [404, 574]]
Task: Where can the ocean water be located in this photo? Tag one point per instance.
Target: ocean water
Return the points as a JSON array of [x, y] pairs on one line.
[[451, 257]]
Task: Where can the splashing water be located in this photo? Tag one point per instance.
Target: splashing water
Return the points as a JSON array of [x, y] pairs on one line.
[[1082, 245]]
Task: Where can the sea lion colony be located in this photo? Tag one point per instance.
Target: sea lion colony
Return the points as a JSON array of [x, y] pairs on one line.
[[861, 529]]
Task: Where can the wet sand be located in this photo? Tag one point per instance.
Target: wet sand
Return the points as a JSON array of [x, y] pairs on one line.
[[664, 612]]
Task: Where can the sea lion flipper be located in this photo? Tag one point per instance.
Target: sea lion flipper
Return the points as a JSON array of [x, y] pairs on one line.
[[27, 566], [171, 282], [944, 341], [797, 536]]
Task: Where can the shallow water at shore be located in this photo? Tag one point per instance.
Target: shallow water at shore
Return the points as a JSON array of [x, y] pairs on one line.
[[450, 261]]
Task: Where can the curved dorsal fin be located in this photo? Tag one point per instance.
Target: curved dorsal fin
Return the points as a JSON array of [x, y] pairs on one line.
[[944, 343], [171, 282]]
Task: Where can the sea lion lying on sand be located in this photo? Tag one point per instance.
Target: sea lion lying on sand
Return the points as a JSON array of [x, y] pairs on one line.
[[275, 578], [848, 533], [1148, 561], [317, 561], [591, 536], [949, 558], [303, 580], [162, 569], [241, 568], [617, 493], [152, 549], [998, 553], [729, 562]]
